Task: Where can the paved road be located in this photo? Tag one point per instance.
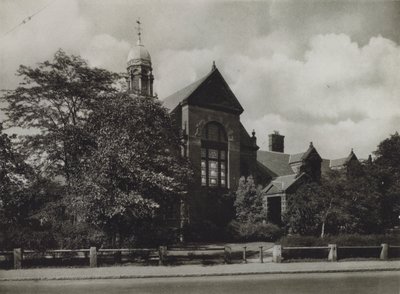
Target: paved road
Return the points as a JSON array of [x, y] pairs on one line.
[[326, 283]]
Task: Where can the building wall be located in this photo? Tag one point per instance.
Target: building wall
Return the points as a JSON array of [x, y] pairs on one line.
[[194, 118], [208, 204]]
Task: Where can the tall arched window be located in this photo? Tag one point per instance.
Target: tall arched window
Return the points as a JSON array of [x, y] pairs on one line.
[[214, 148]]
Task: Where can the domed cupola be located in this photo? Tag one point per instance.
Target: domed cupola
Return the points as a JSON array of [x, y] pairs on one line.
[[140, 76], [139, 55]]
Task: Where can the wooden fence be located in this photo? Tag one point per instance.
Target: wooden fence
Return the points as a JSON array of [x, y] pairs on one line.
[[93, 257], [332, 252]]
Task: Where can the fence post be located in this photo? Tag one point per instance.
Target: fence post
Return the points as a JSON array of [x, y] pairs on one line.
[[332, 256], [117, 257], [162, 251], [17, 258], [277, 254], [261, 255], [227, 254], [93, 256], [384, 251], [244, 255]]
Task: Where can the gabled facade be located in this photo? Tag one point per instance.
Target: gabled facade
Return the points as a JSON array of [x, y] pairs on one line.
[[291, 171], [216, 143]]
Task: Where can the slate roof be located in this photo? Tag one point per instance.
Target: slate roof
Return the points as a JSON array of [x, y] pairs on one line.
[[325, 166], [296, 157], [211, 91], [338, 162], [174, 99], [281, 184], [245, 139], [277, 162]]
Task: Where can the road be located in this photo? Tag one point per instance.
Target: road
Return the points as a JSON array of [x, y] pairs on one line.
[[326, 283]]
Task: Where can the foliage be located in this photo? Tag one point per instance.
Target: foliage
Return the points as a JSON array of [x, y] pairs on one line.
[[343, 202], [248, 203], [385, 172], [135, 169], [341, 240], [55, 99], [249, 232]]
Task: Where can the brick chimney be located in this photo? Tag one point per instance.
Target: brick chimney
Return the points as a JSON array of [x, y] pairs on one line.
[[276, 142]]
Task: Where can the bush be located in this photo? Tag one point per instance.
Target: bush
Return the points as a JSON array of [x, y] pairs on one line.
[[340, 240], [248, 232], [206, 231]]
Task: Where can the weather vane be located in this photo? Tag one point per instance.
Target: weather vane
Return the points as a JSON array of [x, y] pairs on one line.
[[139, 30]]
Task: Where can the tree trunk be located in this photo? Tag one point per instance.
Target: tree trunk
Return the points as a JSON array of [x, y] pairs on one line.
[[323, 229]]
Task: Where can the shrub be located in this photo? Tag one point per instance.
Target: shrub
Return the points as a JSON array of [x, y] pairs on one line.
[[248, 232], [204, 231]]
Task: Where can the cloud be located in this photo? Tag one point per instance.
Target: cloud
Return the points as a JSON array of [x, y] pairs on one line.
[[107, 52], [317, 71], [341, 94], [338, 94]]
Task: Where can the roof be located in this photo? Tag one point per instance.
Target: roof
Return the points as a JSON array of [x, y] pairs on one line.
[[211, 91], [338, 162], [245, 139], [296, 157], [281, 184], [277, 162], [325, 165], [173, 100]]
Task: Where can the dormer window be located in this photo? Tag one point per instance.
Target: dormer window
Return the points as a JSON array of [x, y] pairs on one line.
[[214, 148]]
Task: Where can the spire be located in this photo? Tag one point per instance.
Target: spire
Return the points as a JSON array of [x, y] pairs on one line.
[[253, 133], [139, 30], [213, 66]]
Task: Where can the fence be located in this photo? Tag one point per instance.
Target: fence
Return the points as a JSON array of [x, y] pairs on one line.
[[332, 252], [163, 255], [94, 257]]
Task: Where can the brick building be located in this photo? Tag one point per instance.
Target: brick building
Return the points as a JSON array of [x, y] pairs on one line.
[[219, 147]]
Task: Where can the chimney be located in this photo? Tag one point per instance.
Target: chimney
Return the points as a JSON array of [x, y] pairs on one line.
[[276, 142]]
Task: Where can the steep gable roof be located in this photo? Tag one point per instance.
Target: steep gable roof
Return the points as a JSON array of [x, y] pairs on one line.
[[340, 162], [211, 91], [281, 184], [277, 162]]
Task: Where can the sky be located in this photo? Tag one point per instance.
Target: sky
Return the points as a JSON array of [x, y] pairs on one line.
[[320, 71]]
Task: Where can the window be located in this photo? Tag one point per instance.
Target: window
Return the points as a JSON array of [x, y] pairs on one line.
[[214, 149]]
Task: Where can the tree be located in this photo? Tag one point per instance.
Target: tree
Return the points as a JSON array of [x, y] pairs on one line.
[[15, 176], [343, 202], [385, 171], [248, 203], [55, 99], [135, 170]]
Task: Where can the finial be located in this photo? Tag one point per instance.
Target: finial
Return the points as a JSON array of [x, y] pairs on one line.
[[139, 30], [311, 145], [253, 133], [213, 65], [352, 150]]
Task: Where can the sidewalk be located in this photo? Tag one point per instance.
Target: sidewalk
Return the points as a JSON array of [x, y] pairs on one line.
[[195, 270]]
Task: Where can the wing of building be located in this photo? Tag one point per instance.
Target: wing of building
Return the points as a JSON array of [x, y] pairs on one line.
[[219, 147]]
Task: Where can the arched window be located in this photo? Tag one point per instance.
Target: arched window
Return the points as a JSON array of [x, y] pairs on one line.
[[214, 148]]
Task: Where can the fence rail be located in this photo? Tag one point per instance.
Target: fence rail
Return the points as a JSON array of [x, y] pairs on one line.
[[383, 252], [162, 255]]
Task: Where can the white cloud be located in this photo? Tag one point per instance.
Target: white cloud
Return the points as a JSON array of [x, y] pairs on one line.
[[107, 52]]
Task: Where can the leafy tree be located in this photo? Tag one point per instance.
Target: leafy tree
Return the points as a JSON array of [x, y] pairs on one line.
[[344, 202], [135, 170], [15, 176], [55, 99], [385, 170], [248, 203]]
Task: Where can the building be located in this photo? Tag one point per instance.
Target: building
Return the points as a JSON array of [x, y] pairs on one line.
[[219, 147]]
